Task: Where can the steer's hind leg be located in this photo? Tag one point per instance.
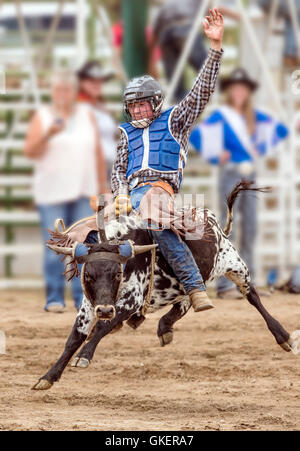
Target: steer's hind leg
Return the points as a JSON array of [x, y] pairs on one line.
[[241, 278], [280, 334], [165, 325]]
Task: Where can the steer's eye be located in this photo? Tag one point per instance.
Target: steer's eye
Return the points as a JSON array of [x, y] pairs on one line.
[[117, 277]]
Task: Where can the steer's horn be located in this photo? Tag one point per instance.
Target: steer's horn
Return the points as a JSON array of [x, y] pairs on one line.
[[144, 248], [60, 249]]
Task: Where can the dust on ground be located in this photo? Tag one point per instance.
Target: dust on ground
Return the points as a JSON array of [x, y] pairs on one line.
[[223, 371]]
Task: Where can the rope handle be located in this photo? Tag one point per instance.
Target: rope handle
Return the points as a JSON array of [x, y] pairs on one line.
[[59, 225]]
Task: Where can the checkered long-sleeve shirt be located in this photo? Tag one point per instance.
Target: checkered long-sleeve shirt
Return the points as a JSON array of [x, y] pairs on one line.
[[183, 117]]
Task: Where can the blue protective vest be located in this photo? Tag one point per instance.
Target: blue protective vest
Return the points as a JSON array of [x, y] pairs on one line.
[[153, 147]]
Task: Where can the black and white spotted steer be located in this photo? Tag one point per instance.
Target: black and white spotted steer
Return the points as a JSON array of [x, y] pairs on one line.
[[113, 295]]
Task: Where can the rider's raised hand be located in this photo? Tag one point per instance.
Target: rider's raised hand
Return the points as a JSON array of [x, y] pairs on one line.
[[214, 28]]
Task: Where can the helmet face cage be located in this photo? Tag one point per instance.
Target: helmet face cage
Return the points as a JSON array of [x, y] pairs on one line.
[[143, 89], [154, 102]]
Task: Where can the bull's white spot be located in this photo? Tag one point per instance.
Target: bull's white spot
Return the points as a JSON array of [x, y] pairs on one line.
[[117, 229], [228, 261], [114, 228], [134, 287], [85, 316], [185, 304]]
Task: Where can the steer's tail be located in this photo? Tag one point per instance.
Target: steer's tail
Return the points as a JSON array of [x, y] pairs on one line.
[[242, 186]]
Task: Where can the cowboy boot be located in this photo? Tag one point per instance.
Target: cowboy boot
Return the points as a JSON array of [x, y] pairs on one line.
[[200, 301]]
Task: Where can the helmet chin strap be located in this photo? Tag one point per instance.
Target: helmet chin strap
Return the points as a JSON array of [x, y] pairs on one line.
[[142, 123]]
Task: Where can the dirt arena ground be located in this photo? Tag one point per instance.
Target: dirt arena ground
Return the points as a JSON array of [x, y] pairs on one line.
[[223, 371]]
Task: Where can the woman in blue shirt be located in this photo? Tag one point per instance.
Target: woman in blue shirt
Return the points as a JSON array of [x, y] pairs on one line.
[[233, 137]]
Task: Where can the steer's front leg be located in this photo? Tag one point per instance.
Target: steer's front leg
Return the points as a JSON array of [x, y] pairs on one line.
[[81, 329], [84, 357]]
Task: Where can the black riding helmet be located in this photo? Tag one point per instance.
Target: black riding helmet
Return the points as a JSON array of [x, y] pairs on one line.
[[143, 88]]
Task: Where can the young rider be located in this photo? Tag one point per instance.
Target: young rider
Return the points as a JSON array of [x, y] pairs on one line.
[[151, 154]]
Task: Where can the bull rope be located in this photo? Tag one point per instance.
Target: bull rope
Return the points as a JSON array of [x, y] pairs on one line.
[[151, 283]]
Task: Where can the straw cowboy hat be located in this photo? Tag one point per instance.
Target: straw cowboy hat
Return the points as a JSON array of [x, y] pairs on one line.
[[238, 75]]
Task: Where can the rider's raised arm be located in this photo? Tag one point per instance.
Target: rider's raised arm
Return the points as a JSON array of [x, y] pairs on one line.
[[119, 184], [189, 109]]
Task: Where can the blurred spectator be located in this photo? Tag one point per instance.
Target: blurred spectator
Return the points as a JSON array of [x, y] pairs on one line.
[[118, 31], [234, 136], [171, 29], [69, 168], [291, 52], [154, 53], [91, 77]]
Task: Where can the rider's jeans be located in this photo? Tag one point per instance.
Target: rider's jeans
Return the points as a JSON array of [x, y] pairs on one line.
[[180, 258], [176, 252]]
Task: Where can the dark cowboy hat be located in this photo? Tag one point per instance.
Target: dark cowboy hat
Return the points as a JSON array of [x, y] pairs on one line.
[[92, 69], [238, 75]]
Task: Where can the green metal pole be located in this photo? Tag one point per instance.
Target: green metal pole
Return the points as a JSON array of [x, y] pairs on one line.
[[134, 14]]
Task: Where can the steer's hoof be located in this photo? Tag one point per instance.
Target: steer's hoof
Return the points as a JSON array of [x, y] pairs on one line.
[[293, 343], [165, 339], [286, 346], [42, 384], [80, 362]]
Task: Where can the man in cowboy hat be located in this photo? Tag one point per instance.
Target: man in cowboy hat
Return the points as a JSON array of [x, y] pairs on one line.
[[151, 156]]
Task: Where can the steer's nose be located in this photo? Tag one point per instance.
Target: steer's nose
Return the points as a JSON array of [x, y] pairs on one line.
[[107, 312]]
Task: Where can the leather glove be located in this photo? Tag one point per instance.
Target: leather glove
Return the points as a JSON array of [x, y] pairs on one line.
[[122, 204]]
